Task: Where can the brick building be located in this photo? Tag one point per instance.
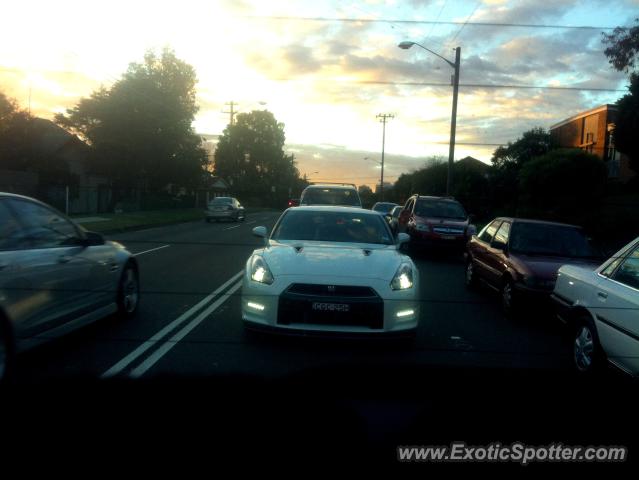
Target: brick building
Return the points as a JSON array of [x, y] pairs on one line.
[[593, 131]]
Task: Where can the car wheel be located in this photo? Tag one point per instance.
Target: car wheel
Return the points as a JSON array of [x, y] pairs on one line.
[[471, 275], [509, 300], [6, 351], [128, 292], [587, 355]]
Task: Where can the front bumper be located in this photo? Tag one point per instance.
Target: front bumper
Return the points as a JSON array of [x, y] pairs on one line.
[[271, 307]]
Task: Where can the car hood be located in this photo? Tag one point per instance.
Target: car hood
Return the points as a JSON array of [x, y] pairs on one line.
[[318, 259], [546, 267]]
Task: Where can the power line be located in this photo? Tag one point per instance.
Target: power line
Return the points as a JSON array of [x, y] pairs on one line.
[[232, 112], [419, 22], [466, 22]]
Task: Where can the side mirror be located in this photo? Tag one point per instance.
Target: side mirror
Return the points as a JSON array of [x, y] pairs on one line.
[[403, 238], [260, 232], [498, 245], [92, 239]]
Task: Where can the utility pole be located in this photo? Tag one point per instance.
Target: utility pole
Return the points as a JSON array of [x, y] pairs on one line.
[[231, 111], [453, 124], [384, 117]]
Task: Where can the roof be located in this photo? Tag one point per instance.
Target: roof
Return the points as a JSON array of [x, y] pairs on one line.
[[531, 220], [431, 197], [332, 185], [473, 161], [592, 111], [50, 138], [331, 208]]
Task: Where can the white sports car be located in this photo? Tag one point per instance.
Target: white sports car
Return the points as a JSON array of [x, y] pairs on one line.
[[331, 269]]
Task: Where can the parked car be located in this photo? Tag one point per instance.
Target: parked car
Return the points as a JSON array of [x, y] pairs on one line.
[[436, 222], [339, 194], [602, 307], [393, 218], [55, 276], [224, 208], [383, 207], [293, 202], [331, 269], [520, 258]]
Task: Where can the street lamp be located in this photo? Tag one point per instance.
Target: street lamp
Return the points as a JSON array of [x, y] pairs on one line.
[[453, 120]]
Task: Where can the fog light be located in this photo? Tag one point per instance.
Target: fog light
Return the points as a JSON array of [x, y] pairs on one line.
[[255, 306], [405, 313]]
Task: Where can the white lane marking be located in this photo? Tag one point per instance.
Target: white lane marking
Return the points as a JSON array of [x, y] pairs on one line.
[[231, 228], [264, 218], [131, 357], [151, 250], [173, 341], [250, 223]]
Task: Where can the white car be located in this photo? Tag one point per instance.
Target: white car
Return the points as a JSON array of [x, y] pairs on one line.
[[603, 307], [331, 269]]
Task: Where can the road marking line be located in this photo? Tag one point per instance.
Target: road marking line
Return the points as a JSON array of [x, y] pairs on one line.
[[173, 341], [151, 250], [251, 223], [231, 228], [131, 357]]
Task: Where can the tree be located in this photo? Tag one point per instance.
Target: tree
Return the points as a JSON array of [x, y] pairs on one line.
[[250, 154], [14, 136], [141, 128], [565, 185], [623, 47], [367, 196], [627, 124], [533, 143]]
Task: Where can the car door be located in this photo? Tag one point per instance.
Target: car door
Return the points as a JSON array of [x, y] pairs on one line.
[[496, 257], [406, 215], [617, 311], [480, 249], [52, 266]]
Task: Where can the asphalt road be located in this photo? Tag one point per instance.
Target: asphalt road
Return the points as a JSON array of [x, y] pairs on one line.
[[189, 320]]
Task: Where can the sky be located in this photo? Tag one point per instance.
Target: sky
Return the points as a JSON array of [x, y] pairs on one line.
[[327, 68]]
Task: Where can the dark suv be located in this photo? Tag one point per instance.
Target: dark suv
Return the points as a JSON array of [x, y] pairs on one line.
[[436, 221]]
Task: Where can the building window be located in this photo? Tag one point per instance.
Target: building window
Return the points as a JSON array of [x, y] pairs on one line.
[[613, 156]]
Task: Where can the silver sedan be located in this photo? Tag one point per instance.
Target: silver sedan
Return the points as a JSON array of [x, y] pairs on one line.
[[55, 276]]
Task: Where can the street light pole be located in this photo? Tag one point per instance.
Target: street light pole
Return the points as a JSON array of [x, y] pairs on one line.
[[453, 121]]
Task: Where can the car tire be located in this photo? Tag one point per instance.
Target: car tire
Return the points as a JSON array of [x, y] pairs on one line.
[[588, 357], [7, 351], [471, 275], [128, 292], [509, 299]]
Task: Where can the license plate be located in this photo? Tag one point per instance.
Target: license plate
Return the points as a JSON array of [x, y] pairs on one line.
[[330, 307], [448, 237]]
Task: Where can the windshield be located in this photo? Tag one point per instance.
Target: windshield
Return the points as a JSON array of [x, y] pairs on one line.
[[339, 227], [221, 201], [551, 240], [383, 207], [330, 196], [439, 209]]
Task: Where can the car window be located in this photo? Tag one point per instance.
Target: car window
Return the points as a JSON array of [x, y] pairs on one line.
[[12, 236], [221, 201], [628, 271], [330, 196], [550, 239], [333, 227], [43, 227], [439, 209], [502, 234], [396, 211], [487, 233]]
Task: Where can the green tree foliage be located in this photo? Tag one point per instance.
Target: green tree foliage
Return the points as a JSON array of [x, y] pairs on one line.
[[250, 154], [367, 196], [14, 136], [565, 185], [622, 47], [141, 128], [627, 124]]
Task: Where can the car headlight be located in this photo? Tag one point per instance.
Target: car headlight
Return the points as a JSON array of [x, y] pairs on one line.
[[259, 270], [422, 227], [403, 279]]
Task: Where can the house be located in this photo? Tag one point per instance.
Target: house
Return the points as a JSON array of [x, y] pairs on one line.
[[593, 131]]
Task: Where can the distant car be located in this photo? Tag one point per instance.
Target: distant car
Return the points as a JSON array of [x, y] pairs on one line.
[[393, 218], [224, 208], [55, 276], [436, 222], [331, 269], [342, 194], [383, 207], [520, 258], [602, 307], [293, 202]]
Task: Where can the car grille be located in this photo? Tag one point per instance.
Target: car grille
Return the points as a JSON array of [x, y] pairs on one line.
[[331, 290], [365, 308], [448, 230]]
